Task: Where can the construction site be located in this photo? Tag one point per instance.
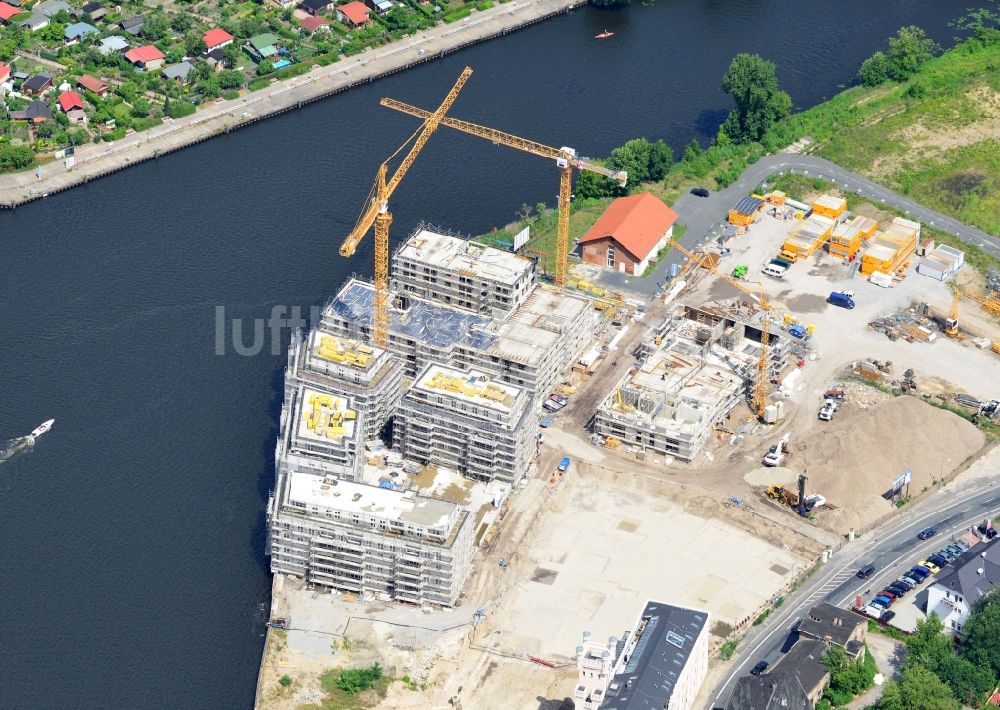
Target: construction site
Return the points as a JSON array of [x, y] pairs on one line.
[[475, 465]]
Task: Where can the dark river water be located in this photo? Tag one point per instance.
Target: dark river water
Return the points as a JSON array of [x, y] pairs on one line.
[[133, 573]]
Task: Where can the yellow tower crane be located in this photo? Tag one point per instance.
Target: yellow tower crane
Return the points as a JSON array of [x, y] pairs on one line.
[[377, 213], [758, 396], [566, 159], [951, 325]]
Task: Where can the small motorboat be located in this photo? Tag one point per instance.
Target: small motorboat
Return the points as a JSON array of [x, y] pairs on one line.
[[604, 35]]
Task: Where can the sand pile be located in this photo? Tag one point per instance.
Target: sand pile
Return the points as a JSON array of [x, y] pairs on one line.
[[853, 461]]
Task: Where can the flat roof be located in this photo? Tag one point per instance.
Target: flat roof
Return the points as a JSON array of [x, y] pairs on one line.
[[460, 255], [350, 497], [475, 387], [324, 417], [349, 353], [424, 321], [664, 636], [531, 331]]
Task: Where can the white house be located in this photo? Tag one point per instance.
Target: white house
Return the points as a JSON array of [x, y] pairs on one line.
[[970, 576]]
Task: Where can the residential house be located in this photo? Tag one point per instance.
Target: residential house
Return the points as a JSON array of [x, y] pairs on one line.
[[6, 80], [379, 6], [771, 691], [312, 24], [8, 11], [94, 10], [629, 234], [215, 58], [217, 39], [77, 31], [69, 100], [92, 83], [262, 46], [114, 43], [17, 3], [34, 23], [37, 85], [353, 14], [836, 626], [36, 112], [18, 78], [133, 25], [77, 116], [315, 7], [179, 71], [51, 8], [804, 661], [660, 663], [970, 575], [146, 57]]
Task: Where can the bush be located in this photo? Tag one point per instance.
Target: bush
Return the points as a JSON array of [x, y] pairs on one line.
[[179, 109], [285, 681], [456, 15], [727, 649], [354, 680], [15, 157], [258, 84]]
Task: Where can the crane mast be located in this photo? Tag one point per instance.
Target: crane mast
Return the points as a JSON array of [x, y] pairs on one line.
[[377, 212], [566, 160]]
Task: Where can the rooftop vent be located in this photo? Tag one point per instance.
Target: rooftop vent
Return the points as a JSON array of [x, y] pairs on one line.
[[675, 639]]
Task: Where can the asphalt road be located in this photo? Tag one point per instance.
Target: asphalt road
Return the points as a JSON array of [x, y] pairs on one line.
[[705, 216], [893, 549]]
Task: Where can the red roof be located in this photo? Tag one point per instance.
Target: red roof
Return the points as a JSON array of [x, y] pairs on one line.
[[4, 71], [637, 223], [8, 11], [355, 11], [90, 83], [69, 100], [145, 54], [213, 38], [313, 23]]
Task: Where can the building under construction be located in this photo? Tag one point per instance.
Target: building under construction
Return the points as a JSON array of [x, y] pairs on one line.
[[695, 368], [468, 422]]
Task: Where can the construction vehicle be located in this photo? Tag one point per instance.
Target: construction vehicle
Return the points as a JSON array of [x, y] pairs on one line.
[[802, 503], [758, 398], [377, 212], [776, 454], [951, 325], [566, 160], [740, 271], [827, 411]]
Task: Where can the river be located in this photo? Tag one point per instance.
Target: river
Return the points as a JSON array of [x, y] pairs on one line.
[[133, 534]]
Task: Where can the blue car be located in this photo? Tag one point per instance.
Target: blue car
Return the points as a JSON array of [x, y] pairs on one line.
[[926, 533], [844, 300], [882, 601]]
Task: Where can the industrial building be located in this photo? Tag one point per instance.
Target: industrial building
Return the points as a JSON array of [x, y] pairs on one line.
[[691, 376], [661, 662], [365, 374], [353, 537], [456, 272], [468, 422]]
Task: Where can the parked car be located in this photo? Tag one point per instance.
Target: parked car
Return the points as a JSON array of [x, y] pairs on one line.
[[883, 600], [866, 571], [783, 263], [886, 593], [897, 590], [922, 570], [919, 574], [880, 603], [873, 611], [938, 560], [906, 584], [700, 192], [927, 533], [564, 464], [956, 549], [915, 581], [947, 554], [929, 565], [960, 545], [844, 300], [988, 532], [759, 667], [559, 398], [887, 616], [827, 410]]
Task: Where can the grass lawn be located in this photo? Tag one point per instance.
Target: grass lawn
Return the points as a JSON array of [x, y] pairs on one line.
[[337, 699]]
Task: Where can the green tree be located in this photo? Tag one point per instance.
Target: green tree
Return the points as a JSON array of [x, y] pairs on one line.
[[982, 632], [642, 160], [265, 67], [230, 79], [181, 22], [910, 48], [8, 47], [917, 689], [54, 31], [875, 70], [209, 88], [285, 681], [195, 45], [15, 157], [593, 185], [927, 645], [752, 83], [354, 680], [968, 682], [155, 27], [231, 55]]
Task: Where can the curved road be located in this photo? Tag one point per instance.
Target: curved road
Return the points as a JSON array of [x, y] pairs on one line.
[[705, 217], [893, 549]]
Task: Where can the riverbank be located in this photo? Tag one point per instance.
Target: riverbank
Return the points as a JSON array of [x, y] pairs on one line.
[[93, 162]]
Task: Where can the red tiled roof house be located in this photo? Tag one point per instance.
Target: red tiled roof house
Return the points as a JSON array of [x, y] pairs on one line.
[[313, 23], [5, 80], [148, 57], [8, 11], [353, 14], [630, 232], [92, 83], [69, 100], [217, 39]]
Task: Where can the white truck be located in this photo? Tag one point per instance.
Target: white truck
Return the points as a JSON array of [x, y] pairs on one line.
[[827, 411]]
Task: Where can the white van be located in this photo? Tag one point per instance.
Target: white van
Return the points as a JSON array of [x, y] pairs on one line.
[[774, 270]]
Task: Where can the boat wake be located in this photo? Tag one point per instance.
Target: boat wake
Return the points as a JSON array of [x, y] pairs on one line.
[[12, 447]]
